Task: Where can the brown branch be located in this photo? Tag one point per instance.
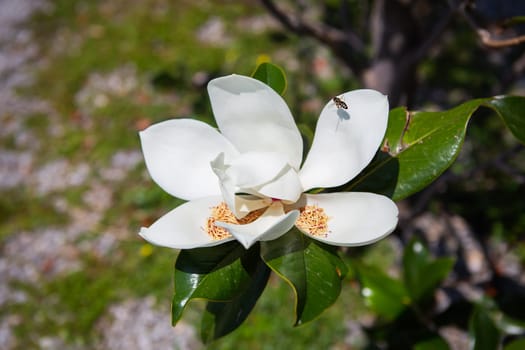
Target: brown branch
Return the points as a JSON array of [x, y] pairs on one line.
[[327, 35], [318, 31], [487, 40], [485, 36]]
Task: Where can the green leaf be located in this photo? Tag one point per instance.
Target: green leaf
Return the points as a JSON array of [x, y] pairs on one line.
[[518, 344], [512, 110], [420, 146], [220, 273], [436, 343], [383, 294], [509, 325], [485, 335], [506, 324], [221, 318], [424, 144], [421, 273], [271, 75], [312, 269]]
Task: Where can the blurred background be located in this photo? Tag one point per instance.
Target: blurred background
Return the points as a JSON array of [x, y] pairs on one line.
[[80, 78]]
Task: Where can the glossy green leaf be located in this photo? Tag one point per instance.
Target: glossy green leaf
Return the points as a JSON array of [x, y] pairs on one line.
[[484, 333], [221, 318], [383, 294], [518, 344], [420, 146], [271, 75], [312, 269], [422, 273], [219, 273], [512, 110], [423, 144], [436, 343]]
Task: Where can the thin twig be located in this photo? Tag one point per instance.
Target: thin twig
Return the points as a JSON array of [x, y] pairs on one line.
[[487, 40], [485, 36], [318, 31], [330, 36]]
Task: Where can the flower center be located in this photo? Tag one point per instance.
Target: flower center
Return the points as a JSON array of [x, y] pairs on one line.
[[313, 220], [222, 213]]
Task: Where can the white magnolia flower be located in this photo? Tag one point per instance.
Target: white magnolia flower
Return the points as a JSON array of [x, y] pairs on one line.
[[246, 182]]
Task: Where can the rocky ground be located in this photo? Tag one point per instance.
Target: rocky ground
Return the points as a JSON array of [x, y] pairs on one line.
[[46, 253]]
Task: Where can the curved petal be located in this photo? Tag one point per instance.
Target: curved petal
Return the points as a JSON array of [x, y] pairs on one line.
[[226, 184], [263, 174], [255, 168], [254, 117], [271, 225], [287, 187], [245, 204], [345, 140], [178, 154], [354, 218], [183, 227]]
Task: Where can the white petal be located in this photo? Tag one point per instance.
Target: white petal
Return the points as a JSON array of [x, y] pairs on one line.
[[183, 227], [345, 140], [355, 218], [254, 117], [178, 154], [286, 187], [263, 174], [271, 225], [256, 168], [226, 184], [245, 204]]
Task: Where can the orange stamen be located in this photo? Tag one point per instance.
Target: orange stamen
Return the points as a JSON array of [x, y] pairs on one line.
[[222, 213], [313, 220]]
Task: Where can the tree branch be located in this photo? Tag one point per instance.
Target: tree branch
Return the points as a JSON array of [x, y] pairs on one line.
[[485, 36], [335, 38], [487, 40]]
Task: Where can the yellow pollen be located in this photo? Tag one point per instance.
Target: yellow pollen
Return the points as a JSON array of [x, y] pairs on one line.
[[222, 213], [313, 220]]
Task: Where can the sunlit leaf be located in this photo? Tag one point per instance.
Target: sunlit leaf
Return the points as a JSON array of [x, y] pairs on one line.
[[220, 273], [510, 325], [505, 323], [422, 273], [420, 146], [424, 144], [383, 294], [312, 269], [271, 75]]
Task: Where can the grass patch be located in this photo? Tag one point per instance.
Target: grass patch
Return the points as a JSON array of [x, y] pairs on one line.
[[70, 306], [23, 212]]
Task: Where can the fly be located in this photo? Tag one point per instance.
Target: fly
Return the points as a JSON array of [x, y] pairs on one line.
[[339, 103]]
